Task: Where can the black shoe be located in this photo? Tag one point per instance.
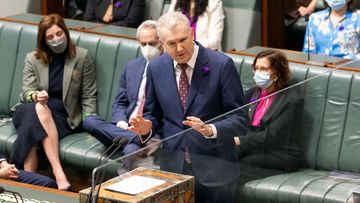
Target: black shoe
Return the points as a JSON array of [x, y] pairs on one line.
[[69, 189]]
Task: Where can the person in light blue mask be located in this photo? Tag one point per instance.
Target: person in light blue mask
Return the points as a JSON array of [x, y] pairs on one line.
[[335, 30], [274, 115]]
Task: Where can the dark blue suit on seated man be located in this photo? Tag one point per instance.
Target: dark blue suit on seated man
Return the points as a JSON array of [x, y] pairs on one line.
[[9, 171], [130, 97], [186, 86]]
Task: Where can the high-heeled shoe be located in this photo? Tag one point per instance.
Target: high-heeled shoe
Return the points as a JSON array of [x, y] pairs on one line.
[[68, 188]]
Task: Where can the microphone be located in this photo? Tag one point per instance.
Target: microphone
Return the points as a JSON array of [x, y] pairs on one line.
[[122, 142], [2, 190], [116, 141], [306, 16]]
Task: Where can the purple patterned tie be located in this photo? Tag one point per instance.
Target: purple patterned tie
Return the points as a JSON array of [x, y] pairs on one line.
[[183, 91], [183, 84]]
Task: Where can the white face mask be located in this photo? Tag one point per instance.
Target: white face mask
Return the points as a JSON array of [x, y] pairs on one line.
[[58, 45], [262, 79], [150, 52], [336, 4]]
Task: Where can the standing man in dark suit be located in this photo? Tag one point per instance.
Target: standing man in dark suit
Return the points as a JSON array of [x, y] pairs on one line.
[[9, 171], [188, 85], [130, 97]]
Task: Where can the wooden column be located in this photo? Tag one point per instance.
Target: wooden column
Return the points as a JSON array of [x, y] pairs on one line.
[[52, 6], [272, 25]]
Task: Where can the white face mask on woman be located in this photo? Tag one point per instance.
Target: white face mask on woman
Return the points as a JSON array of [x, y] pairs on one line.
[[336, 4], [150, 52], [262, 79], [58, 45]]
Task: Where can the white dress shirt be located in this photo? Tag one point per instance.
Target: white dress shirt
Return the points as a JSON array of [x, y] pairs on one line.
[[123, 124], [189, 73]]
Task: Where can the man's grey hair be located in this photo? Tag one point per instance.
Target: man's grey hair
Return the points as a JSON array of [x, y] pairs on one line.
[[146, 25], [169, 20]]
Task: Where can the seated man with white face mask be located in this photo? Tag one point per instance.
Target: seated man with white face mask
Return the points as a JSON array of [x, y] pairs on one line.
[[130, 97]]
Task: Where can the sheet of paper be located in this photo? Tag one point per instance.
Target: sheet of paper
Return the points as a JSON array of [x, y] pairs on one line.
[[135, 185]]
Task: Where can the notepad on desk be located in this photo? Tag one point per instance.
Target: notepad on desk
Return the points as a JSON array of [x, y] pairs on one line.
[[135, 185]]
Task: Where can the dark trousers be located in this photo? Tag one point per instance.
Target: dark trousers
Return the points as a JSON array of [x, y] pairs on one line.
[[105, 132], [203, 194], [36, 179]]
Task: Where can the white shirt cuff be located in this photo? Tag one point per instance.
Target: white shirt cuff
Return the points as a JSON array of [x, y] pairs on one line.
[[214, 136], [122, 124]]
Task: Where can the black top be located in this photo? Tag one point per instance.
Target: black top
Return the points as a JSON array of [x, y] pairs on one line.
[[56, 75]]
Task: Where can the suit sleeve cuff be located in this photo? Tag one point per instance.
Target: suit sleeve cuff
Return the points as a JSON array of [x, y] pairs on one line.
[[143, 141]]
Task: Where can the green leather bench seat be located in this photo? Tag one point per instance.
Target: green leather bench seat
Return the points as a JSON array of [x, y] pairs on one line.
[[109, 54], [329, 138], [302, 186]]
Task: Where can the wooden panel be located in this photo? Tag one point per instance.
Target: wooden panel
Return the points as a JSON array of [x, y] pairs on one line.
[[40, 193], [273, 16], [52, 6]]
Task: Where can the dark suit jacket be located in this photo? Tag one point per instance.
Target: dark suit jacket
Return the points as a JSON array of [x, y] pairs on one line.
[[276, 134], [130, 13], [211, 94], [128, 90], [2, 156]]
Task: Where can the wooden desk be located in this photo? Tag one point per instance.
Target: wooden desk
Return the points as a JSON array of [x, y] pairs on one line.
[[177, 188], [40, 193], [299, 57]]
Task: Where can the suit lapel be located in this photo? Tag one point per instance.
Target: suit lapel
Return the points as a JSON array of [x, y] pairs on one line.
[[44, 75], [252, 108], [274, 107], [169, 84], [137, 75], [68, 72], [197, 77]]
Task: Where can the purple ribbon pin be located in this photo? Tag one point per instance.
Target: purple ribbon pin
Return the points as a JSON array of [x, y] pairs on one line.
[[118, 4], [205, 70], [341, 28]]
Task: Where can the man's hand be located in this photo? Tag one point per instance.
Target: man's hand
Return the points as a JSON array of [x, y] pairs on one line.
[[9, 171], [199, 126], [140, 126]]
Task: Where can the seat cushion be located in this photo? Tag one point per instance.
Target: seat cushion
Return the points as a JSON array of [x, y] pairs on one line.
[[306, 185]]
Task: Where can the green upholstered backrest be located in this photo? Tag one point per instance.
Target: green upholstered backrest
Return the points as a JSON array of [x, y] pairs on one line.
[[15, 41], [153, 9], [109, 54], [329, 135], [242, 24]]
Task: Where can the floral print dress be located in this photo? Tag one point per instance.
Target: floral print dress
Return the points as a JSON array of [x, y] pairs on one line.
[[341, 41]]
